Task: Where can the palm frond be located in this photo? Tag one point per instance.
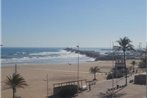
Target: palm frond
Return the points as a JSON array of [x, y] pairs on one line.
[[94, 69], [125, 44], [15, 81]]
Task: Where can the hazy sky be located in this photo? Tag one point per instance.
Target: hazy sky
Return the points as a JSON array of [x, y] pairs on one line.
[[61, 23]]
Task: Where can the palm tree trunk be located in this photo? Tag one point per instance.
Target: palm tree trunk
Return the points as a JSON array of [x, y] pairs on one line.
[[133, 68], [94, 77], [13, 93], [125, 66]]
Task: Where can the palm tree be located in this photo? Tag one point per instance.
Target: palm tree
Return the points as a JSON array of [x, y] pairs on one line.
[[133, 64], [94, 70], [125, 45], [15, 81]]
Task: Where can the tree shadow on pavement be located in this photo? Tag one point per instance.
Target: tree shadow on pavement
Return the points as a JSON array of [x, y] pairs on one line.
[[110, 95]]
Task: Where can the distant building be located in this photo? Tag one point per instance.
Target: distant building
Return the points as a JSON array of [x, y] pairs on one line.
[[140, 79]]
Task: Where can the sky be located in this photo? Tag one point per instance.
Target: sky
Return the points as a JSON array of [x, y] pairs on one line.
[[66, 23]]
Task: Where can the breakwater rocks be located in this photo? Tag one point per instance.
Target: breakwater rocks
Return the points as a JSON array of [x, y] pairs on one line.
[[92, 54]]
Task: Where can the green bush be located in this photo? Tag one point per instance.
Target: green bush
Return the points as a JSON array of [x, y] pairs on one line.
[[67, 91], [116, 74], [109, 76]]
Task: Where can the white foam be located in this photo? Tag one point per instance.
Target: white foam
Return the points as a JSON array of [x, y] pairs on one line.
[[49, 57], [48, 53]]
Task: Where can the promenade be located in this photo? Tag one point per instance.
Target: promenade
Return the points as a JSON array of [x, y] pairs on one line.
[[131, 91]]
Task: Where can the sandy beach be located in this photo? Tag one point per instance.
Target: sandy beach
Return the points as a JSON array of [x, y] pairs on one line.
[[48, 38], [35, 75]]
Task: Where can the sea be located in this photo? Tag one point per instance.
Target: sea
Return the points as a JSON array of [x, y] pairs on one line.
[[21, 56]]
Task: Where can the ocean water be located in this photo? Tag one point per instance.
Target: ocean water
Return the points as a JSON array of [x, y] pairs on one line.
[[43, 55]]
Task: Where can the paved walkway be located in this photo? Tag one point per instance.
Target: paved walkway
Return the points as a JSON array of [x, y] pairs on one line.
[[131, 91]]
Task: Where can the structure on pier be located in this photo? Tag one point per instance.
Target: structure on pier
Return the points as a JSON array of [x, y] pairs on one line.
[[80, 84], [119, 63]]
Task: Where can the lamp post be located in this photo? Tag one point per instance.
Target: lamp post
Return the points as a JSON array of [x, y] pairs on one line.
[[15, 68], [113, 69], [47, 84], [146, 68], [78, 68]]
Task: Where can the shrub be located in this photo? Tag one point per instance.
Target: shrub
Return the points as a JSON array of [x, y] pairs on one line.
[[67, 91], [116, 74]]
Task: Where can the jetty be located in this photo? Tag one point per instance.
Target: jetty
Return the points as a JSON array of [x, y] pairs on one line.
[[93, 54], [107, 56]]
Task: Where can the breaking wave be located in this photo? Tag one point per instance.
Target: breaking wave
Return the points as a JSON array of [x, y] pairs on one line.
[[60, 56]]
